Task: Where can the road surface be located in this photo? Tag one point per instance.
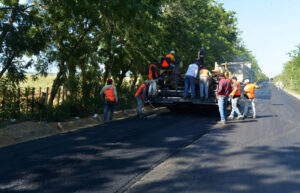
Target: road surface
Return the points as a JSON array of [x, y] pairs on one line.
[[244, 156], [250, 156]]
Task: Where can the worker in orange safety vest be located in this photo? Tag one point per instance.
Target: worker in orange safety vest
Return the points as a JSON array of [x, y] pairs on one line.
[[249, 94], [204, 82], [235, 95], [111, 98], [141, 95]]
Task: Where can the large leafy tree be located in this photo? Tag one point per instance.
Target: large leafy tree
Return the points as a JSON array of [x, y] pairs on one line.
[[21, 34]]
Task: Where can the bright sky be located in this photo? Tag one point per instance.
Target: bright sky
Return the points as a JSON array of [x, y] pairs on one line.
[[270, 29]]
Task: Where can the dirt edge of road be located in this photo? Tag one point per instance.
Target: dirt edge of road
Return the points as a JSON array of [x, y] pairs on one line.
[[27, 131]]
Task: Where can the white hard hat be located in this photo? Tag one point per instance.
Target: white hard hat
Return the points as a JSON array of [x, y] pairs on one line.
[[172, 52], [246, 81]]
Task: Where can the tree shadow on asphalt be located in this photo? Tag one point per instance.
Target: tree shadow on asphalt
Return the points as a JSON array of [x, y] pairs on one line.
[[106, 158], [261, 169]]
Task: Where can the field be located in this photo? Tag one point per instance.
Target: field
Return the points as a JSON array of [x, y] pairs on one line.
[[42, 81]]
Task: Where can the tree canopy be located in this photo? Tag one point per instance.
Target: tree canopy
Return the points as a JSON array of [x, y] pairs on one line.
[[89, 41]]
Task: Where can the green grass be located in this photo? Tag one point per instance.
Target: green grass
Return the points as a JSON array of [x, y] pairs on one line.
[[41, 81]]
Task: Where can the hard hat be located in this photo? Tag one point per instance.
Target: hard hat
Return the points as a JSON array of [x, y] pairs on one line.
[[246, 81], [172, 52], [234, 77]]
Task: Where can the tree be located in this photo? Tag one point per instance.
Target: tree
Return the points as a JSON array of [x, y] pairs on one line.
[[21, 33]]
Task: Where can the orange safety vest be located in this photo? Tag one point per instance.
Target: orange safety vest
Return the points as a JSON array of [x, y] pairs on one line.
[[238, 91], [171, 56], [139, 90], [204, 73], [250, 89], [109, 94], [151, 73]]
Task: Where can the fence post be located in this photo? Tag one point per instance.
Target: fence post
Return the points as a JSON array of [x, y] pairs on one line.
[[32, 101], [58, 97], [27, 99], [19, 102], [63, 92], [47, 93], [40, 94], [3, 103]]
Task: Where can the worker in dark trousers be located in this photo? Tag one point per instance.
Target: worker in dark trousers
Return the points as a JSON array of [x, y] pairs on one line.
[[111, 97], [153, 77], [204, 82], [141, 95], [224, 90], [189, 80]]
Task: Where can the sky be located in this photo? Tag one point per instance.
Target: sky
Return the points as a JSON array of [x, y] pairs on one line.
[[270, 29]]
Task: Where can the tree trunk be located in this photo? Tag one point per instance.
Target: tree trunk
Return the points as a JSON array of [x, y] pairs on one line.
[[57, 82]]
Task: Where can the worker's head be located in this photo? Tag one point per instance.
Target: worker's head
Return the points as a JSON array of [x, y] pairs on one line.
[[221, 76], [154, 62], [234, 79], [172, 52], [247, 81], [109, 81]]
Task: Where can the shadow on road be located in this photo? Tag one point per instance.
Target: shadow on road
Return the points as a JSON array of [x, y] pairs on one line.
[[106, 158]]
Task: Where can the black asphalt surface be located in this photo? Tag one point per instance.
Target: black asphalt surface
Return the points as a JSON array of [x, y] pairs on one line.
[[243, 156], [107, 158], [113, 156]]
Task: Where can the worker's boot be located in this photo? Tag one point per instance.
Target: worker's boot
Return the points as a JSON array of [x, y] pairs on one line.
[[229, 117]]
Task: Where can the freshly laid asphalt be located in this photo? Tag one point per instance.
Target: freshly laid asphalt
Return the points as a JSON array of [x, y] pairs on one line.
[[248, 156], [107, 158], [167, 152]]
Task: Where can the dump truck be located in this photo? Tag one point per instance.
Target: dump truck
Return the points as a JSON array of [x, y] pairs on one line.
[[170, 85]]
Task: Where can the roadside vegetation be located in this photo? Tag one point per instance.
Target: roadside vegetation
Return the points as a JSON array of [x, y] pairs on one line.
[[291, 71], [89, 41]]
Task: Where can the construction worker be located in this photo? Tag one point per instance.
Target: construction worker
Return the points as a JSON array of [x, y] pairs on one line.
[[171, 55], [235, 95], [204, 82], [224, 90], [141, 95], [111, 97], [152, 77], [249, 94], [189, 80]]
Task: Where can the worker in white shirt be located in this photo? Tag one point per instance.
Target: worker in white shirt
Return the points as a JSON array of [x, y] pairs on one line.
[[189, 80]]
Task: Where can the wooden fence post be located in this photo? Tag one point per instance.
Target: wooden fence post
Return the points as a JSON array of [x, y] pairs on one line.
[[19, 102], [27, 99], [63, 96], [32, 101], [47, 93], [40, 94], [58, 97], [3, 103]]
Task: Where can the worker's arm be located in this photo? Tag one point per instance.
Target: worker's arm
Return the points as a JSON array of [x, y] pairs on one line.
[[257, 86], [115, 93], [220, 86], [102, 91], [233, 91], [209, 73]]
